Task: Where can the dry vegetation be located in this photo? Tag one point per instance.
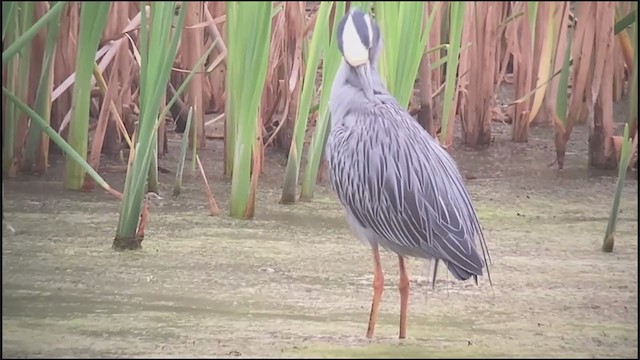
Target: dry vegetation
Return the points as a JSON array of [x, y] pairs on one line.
[[567, 63], [496, 49]]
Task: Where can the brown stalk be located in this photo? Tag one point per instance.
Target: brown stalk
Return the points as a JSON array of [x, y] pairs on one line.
[[523, 71], [22, 128], [256, 170], [163, 141], [493, 20], [294, 48], [208, 23], [142, 222], [70, 80], [144, 215], [126, 68], [435, 39], [213, 206], [217, 77], [293, 70], [119, 122], [582, 49], [477, 118], [35, 71], [583, 44], [119, 14], [551, 96], [624, 41], [280, 124], [502, 54], [103, 120], [207, 88], [601, 146], [312, 21], [448, 145], [27, 92], [509, 49], [190, 51], [274, 88], [42, 152], [109, 51], [64, 60], [618, 72], [603, 51], [465, 99], [544, 17], [425, 114], [5, 83], [178, 104], [511, 40], [135, 54]]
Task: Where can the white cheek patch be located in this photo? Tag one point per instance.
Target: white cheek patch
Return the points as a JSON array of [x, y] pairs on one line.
[[355, 53]]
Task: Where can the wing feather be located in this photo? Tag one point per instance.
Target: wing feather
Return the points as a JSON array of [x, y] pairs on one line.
[[400, 184]]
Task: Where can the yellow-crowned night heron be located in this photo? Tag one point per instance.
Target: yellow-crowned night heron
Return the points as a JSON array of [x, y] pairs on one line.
[[400, 189]]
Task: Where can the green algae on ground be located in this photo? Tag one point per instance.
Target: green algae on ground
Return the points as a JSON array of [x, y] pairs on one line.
[[402, 351], [295, 282]]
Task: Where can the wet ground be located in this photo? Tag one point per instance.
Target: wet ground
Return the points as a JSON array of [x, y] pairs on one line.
[[295, 282]]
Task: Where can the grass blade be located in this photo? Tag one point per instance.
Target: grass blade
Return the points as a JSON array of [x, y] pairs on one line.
[[625, 159], [26, 12], [331, 62], [156, 64], [43, 97], [8, 8], [26, 37], [633, 84], [318, 39], [450, 90], [93, 17], [546, 60], [185, 83], [64, 146], [11, 112], [563, 88], [214, 210], [625, 22], [404, 25], [232, 88], [248, 54]]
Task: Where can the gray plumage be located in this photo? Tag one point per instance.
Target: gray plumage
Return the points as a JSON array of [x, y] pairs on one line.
[[398, 186]]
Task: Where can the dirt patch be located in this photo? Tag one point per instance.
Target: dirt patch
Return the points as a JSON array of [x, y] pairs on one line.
[[295, 282]]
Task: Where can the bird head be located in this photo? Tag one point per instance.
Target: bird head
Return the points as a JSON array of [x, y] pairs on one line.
[[359, 41]]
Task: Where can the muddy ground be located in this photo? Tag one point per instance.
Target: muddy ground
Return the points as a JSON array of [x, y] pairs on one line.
[[295, 282]]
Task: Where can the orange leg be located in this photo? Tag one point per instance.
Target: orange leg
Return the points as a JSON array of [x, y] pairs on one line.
[[403, 286], [378, 286]]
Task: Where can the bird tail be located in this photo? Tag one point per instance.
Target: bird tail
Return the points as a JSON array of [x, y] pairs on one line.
[[460, 273]]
